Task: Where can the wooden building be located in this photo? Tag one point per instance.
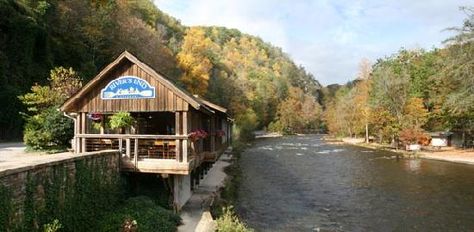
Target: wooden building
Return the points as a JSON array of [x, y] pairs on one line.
[[174, 132]]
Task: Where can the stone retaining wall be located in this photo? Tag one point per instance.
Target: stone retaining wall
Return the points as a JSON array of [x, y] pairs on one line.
[[33, 195]]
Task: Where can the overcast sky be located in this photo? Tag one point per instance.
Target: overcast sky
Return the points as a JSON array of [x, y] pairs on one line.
[[329, 37]]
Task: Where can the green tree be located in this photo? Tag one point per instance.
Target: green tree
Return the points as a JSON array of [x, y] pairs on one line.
[[46, 127]]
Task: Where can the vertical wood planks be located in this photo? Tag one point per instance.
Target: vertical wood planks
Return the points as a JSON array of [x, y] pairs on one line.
[[165, 99]]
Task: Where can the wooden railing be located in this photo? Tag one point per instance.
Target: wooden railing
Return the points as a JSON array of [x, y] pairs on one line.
[[137, 147], [176, 154]]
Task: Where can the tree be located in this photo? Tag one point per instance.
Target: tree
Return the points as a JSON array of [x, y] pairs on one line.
[[384, 124], [237, 70], [246, 123], [63, 83], [298, 112], [415, 115], [457, 77], [465, 33], [361, 98], [195, 60], [46, 127]]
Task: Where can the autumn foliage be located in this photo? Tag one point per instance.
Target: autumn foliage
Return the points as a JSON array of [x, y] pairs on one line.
[[414, 136]]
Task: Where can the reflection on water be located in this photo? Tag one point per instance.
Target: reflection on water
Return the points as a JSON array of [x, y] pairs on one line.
[[413, 164], [299, 183]]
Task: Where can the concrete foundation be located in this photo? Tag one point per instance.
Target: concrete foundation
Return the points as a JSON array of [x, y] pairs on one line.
[[182, 190]]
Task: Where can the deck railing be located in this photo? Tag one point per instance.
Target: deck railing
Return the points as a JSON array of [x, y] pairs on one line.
[[137, 147], [150, 153]]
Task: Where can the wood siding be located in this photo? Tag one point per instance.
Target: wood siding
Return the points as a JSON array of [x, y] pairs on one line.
[[165, 100]]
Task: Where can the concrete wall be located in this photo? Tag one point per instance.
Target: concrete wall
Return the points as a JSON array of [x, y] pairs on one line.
[[31, 183], [182, 190]]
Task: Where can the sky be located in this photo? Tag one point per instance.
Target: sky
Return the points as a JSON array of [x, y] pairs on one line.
[[329, 37]]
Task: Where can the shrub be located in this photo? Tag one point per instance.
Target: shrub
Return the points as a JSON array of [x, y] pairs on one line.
[[143, 213], [53, 226], [48, 130], [229, 222], [275, 126]]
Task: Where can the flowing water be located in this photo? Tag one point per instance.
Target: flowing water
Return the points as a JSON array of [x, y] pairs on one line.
[[300, 183]]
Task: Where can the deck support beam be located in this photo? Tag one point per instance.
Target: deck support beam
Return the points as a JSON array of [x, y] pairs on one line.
[[185, 132]]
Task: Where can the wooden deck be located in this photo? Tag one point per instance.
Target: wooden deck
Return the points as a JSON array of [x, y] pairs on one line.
[[163, 154]]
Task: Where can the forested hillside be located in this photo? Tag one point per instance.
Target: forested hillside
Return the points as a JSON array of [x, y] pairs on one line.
[[410, 93], [255, 80]]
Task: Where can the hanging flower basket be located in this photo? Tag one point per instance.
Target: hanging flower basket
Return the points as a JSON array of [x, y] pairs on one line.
[[96, 117], [198, 134]]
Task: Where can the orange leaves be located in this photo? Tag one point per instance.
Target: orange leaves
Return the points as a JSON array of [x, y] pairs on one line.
[[415, 113], [195, 60], [298, 112], [414, 136]]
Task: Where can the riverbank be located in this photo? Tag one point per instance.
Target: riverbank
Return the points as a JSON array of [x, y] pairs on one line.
[[223, 208], [196, 214], [265, 134], [449, 154]]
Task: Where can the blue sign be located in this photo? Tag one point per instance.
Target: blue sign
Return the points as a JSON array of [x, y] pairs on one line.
[[127, 87]]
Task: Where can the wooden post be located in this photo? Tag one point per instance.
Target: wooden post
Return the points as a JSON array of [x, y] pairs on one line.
[[83, 131], [127, 147], [185, 141], [135, 153], [102, 127], [231, 131], [76, 132], [213, 134], [177, 131], [120, 146]]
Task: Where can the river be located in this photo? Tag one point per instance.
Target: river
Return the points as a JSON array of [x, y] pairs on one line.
[[300, 183]]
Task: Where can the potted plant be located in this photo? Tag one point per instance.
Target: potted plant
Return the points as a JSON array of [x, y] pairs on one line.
[[121, 121]]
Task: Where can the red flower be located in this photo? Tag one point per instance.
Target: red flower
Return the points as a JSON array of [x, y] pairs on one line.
[[198, 134]]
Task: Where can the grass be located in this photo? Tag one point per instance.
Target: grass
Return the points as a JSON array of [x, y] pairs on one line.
[[229, 222]]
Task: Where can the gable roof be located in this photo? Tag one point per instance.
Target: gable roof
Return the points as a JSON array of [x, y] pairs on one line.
[[211, 105], [189, 98]]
